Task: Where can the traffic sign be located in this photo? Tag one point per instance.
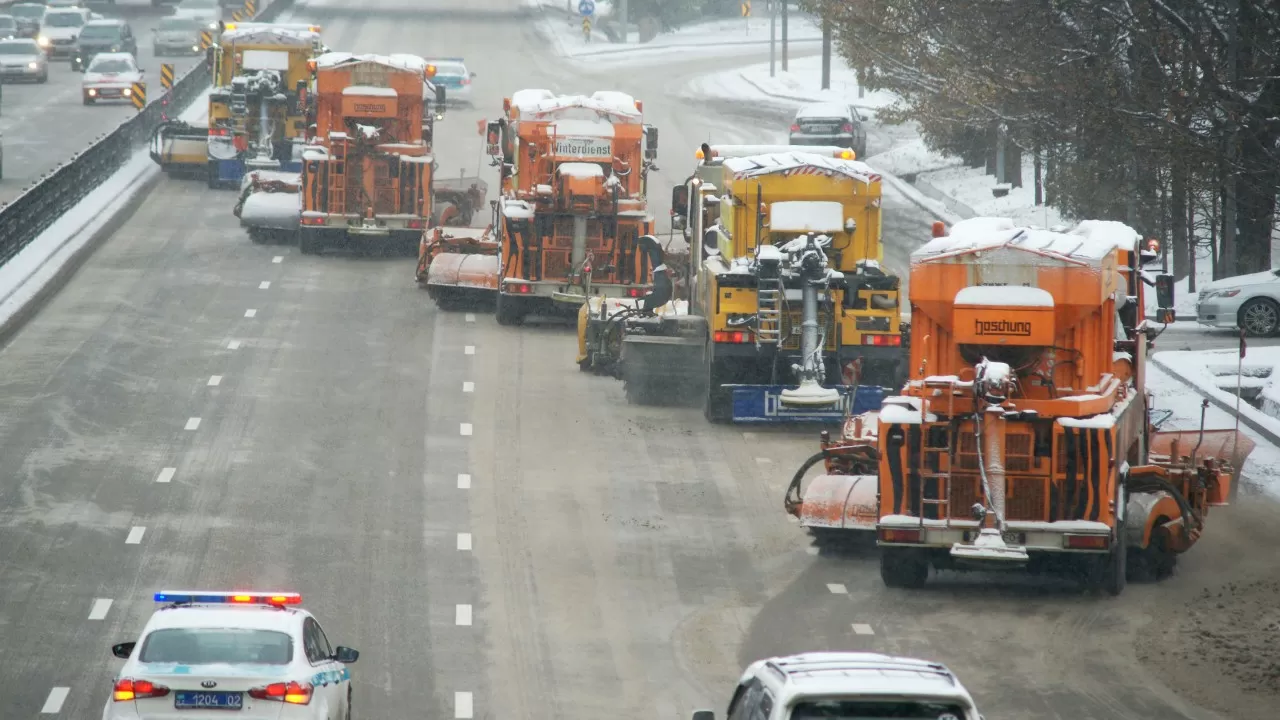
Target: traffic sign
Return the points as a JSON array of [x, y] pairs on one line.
[[746, 8], [587, 7]]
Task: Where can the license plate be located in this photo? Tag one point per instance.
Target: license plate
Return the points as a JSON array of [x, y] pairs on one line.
[[195, 700]]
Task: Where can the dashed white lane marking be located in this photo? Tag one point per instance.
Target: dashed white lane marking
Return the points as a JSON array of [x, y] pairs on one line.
[[863, 629], [135, 535], [277, 259], [763, 461], [462, 707], [100, 608], [250, 313], [266, 284], [466, 428], [233, 345], [193, 423], [464, 541], [469, 350], [166, 475], [811, 550], [471, 317], [468, 387], [57, 696], [215, 380], [464, 481], [462, 615], [837, 589]]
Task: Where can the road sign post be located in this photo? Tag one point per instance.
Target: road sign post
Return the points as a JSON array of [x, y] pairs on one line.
[[746, 14], [138, 94]]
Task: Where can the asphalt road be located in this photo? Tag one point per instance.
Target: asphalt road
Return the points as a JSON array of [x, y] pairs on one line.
[[45, 125], [405, 468]]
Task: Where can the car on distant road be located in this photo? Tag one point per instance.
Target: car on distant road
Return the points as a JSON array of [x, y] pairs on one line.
[[1248, 302], [217, 655], [103, 36], [176, 36], [452, 74], [8, 27], [60, 28], [27, 15], [22, 59], [63, 3], [110, 76], [830, 124], [208, 12]]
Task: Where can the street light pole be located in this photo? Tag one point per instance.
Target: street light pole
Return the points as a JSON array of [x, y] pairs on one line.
[[784, 34], [773, 38], [826, 52]]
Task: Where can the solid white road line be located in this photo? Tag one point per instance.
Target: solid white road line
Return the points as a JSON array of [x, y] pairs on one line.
[[215, 380], [193, 423], [863, 629], [462, 615], [464, 481], [464, 541], [265, 285], [462, 706], [471, 317], [100, 608], [837, 589], [466, 428], [468, 387], [469, 350], [277, 259], [233, 345], [166, 475], [135, 535], [57, 696], [250, 313]]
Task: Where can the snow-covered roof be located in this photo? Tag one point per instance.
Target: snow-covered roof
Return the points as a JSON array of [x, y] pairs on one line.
[[369, 90], [621, 101], [398, 61], [1004, 296], [542, 104], [806, 216], [823, 110], [579, 127], [580, 170], [269, 36], [789, 162], [1091, 240]]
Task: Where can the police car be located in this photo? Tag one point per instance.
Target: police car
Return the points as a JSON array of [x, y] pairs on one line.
[[452, 74], [256, 654]]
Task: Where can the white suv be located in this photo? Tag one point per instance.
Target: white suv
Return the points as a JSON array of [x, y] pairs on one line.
[[847, 685]]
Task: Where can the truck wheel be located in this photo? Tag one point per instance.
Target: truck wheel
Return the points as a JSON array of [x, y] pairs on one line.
[[509, 311], [1154, 562], [718, 406], [903, 568]]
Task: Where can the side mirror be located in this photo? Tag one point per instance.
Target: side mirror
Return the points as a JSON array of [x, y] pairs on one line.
[[123, 650], [345, 655], [473, 76], [1165, 312], [704, 715], [677, 222], [440, 98], [651, 142], [680, 200]]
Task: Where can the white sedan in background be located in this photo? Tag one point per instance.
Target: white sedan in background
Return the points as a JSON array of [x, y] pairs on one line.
[[246, 655], [1249, 302], [110, 76]]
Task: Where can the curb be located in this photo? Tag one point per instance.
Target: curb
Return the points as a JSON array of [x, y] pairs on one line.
[[1271, 436], [794, 98]]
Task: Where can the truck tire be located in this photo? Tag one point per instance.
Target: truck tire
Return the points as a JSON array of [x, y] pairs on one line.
[[906, 568], [718, 405], [509, 310]]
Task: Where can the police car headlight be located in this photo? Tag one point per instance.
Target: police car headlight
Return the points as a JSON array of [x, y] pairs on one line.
[[127, 91], [42, 41]]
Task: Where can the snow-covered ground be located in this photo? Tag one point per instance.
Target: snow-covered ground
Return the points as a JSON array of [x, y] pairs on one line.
[[801, 82], [27, 273]]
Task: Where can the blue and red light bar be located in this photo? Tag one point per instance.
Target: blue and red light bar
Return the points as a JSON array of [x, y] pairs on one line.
[[252, 597]]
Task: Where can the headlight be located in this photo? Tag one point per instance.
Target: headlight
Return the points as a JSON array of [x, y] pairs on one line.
[[43, 41], [195, 48], [213, 26], [126, 92], [33, 65], [115, 48]]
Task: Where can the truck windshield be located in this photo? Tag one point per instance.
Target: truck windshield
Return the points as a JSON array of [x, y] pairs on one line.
[[878, 710]]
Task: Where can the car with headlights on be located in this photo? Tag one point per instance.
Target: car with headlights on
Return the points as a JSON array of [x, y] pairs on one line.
[[27, 15], [22, 59], [245, 655], [103, 36], [1248, 302], [60, 28], [177, 36], [8, 27], [110, 76]]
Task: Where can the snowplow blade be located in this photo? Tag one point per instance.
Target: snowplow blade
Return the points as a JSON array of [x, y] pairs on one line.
[[762, 404], [452, 279], [662, 369], [841, 502], [1223, 444], [180, 148]]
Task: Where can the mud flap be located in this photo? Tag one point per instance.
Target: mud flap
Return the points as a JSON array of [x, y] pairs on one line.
[[841, 502], [762, 404], [657, 365]]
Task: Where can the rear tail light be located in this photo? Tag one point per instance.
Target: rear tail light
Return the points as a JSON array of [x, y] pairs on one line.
[[882, 340], [847, 127], [519, 288], [312, 221], [795, 127], [731, 336], [466, 81], [899, 535], [415, 224], [129, 689], [1086, 542], [635, 292], [291, 692]]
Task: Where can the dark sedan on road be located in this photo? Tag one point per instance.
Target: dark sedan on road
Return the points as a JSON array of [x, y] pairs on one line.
[[830, 124], [103, 36]]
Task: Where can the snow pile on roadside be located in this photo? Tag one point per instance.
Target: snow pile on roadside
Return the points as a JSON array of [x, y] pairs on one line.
[[1214, 372], [800, 83]]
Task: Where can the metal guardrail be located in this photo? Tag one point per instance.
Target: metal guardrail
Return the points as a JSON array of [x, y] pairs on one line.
[[43, 204]]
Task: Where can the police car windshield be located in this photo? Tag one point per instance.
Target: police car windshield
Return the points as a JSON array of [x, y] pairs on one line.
[[877, 710], [100, 32], [17, 48], [208, 646], [110, 66], [64, 19]]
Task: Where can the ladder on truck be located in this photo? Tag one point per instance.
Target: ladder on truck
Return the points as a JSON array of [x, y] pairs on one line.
[[771, 299], [337, 171], [943, 457]]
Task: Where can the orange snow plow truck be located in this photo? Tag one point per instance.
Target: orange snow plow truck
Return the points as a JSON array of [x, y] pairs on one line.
[[1025, 438], [367, 171], [571, 214]]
